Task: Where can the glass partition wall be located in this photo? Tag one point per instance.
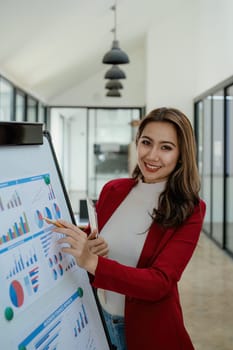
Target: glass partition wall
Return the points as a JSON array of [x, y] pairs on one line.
[[18, 105], [218, 167], [110, 135], [6, 100], [229, 170], [214, 130], [98, 147], [204, 142]]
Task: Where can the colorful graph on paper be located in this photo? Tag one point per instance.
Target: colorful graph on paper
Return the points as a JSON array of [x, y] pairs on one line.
[[27, 243]]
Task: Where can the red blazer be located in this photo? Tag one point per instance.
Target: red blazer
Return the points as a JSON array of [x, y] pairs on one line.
[[153, 315]]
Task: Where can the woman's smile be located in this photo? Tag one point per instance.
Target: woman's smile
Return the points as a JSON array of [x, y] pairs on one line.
[[152, 168]]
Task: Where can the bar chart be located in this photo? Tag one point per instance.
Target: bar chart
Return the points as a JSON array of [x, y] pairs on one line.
[[14, 201], [18, 229], [21, 262]]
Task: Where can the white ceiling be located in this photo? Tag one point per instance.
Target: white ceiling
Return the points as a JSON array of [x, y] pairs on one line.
[[46, 45]]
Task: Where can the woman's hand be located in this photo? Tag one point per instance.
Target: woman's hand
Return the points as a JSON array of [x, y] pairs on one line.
[[78, 245], [97, 244]]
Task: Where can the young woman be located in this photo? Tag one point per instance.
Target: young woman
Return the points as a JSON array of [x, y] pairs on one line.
[[151, 223]]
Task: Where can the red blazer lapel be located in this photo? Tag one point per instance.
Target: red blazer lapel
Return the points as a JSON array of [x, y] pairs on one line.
[[156, 240]]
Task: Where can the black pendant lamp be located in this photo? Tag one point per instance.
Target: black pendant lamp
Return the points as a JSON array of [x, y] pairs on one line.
[[113, 84], [115, 55], [115, 73], [113, 93]]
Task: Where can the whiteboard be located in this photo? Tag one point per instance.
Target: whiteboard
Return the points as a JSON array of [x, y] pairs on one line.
[[46, 302]]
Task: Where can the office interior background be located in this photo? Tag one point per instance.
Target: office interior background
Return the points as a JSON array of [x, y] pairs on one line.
[[181, 55]]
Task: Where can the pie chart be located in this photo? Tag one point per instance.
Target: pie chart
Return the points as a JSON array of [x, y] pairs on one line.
[[39, 219], [47, 213], [57, 212], [16, 293]]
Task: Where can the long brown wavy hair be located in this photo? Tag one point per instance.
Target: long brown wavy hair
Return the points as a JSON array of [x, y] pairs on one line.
[[181, 194]]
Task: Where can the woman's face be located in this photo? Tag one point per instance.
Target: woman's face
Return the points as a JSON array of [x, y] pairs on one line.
[[157, 151]]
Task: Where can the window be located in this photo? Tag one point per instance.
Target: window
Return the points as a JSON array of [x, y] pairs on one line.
[[19, 106], [214, 111], [31, 110], [218, 167], [229, 169], [6, 100]]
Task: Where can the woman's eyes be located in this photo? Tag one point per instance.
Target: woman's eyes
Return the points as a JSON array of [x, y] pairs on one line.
[[163, 147], [166, 147], [145, 142]]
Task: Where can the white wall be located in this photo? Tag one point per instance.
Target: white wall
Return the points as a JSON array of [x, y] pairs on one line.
[[214, 31], [171, 57], [189, 50]]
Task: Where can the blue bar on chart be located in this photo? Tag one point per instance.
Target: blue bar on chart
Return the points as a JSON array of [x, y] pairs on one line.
[[81, 322], [18, 229]]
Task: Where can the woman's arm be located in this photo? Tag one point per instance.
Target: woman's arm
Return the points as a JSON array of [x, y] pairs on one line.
[[149, 283]]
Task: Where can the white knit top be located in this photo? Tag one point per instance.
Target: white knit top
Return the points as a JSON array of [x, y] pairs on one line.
[[126, 231]]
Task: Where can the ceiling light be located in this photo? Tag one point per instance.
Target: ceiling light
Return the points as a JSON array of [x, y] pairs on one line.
[[115, 55], [113, 93], [115, 73], [113, 84]]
